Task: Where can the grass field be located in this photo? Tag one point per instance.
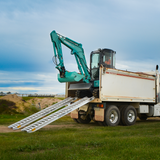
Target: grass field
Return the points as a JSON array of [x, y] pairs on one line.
[[28, 98], [71, 141]]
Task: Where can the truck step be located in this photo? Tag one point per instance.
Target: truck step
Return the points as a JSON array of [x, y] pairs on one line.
[[54, 116], [41, 113]]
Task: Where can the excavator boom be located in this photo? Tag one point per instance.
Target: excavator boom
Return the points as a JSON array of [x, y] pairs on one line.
[[77, 51]]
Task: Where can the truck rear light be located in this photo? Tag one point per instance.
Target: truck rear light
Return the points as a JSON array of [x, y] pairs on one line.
[[100, 105]]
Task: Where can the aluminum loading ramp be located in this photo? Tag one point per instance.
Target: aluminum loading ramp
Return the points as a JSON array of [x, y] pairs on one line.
[[52, 117], [41, 113]]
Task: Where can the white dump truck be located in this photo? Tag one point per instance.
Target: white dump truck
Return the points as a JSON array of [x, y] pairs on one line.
[[122, 96]]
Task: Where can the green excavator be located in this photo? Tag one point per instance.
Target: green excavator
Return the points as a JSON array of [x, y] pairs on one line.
[[85, 83]]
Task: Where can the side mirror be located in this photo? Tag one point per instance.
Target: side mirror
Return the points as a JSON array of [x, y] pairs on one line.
[[157, 67]]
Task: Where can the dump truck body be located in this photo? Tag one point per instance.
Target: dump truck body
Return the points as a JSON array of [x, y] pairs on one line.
[[124, 86], [122, 90]]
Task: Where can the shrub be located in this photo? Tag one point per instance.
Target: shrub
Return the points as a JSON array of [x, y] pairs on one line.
[[7, 107], [30, 110]]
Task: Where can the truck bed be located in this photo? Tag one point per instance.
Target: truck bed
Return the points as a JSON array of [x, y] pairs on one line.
[[126, 86]]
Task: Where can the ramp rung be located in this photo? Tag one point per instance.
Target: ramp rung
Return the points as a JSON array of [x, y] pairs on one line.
[[41, 113], [54, 116]]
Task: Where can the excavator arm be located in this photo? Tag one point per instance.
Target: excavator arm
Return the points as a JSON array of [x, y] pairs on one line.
[[77, 51]]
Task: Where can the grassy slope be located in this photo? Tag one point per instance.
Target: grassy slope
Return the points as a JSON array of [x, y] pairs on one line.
[[90, 141]]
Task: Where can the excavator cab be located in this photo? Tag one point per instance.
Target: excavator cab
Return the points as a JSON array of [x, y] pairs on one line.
[[101, 57]]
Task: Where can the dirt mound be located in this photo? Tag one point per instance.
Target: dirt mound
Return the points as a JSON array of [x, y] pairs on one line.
[[12, 97], [37, 102], [19, 102], [7, 107], [43, 102]]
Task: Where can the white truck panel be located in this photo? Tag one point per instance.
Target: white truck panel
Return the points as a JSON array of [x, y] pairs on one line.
[[118, 85], [151, 111], [143, 109], [157, 110]]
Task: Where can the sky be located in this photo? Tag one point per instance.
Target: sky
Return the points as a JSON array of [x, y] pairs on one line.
[[131, 28]]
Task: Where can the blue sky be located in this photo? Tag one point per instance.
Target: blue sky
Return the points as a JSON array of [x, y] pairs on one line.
[[131, 28]]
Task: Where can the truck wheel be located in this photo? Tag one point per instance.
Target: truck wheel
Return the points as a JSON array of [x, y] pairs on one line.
[[81, 118], [112, 116], [142, 117], [129, 115]]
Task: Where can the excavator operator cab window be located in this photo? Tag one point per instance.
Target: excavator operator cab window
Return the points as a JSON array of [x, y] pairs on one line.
[[108, 58], [95, 59]]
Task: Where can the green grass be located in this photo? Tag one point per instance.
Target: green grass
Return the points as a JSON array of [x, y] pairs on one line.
[[83, 142], [6, 119], [61, 98], [28, 98]]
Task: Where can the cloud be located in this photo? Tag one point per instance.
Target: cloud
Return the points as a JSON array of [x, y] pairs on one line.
[[131, 28], [20, 89], [30, 82], [137, 66]]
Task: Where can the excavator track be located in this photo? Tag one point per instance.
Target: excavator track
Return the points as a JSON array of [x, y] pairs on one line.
[[83, 93]]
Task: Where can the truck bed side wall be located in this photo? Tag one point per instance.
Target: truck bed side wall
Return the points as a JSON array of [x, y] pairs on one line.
[[125, 86]]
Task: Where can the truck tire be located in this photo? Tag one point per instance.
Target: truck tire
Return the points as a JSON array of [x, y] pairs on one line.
[[81, 120], [142, 117], [128, 116], [112, 116]]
